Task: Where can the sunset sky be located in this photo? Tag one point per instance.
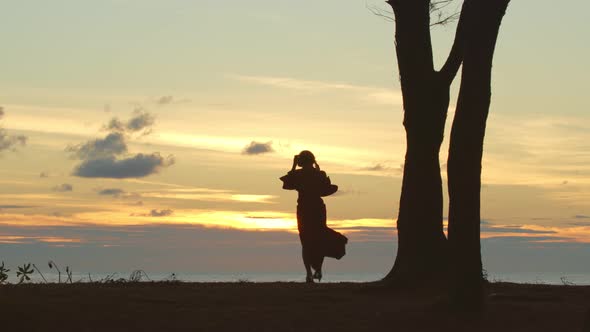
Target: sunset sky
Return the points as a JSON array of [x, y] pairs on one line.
[[151, 134]]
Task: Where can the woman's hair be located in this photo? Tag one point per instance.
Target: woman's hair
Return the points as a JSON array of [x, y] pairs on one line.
[[307, 158]]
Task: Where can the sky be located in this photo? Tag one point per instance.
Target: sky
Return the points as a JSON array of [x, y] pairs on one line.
[[151, 134]]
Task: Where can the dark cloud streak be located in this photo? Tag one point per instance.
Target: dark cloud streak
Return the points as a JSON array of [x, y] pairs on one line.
[[16, 206], [164, 100], [107, 157], [379, 167], [112, 145], [115, 192], [160, 213], [141, 121], [64, 187], [138, 166], [10, 142], [256, 148]]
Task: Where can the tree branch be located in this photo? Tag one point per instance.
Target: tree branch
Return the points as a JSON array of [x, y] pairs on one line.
[[451, 67], [413, 40], [383, 13], [436, 10]]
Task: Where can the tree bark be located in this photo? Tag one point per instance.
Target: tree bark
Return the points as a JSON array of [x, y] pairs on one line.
[[421, 241], [466, 150]]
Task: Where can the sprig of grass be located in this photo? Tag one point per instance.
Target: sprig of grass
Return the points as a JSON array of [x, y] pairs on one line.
[[53, 265], [69, 274], [24, 274], [39, 271], [137, 275], [566, 282]]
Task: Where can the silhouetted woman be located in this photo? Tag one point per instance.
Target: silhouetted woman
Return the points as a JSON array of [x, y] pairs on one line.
[[316, 238]]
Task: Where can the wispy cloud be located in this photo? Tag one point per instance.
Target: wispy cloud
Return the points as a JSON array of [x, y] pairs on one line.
[[208, 195], [516, 229], [160, 213], [112, 145], [64, 187], [382, 167], [376, 168], [115, 192], [377, 95], [19, 239], [12, 206], [165, 100], [141, 121], [169, 100], [10, 142], [538, 233], [540, 150], [138, 166]]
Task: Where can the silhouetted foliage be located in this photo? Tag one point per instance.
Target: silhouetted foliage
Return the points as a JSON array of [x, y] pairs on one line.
[[24, 272], [3, 274], [138, 275]]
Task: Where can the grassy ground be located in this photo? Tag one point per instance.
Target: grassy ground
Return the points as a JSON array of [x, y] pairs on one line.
[[281, 307]]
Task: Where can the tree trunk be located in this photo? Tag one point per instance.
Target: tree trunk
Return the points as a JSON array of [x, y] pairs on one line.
[[466, 149], [421, 242]]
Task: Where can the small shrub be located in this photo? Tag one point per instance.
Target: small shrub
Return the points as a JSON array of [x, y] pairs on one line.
[[3, 274], [137, 275], [108, 279], [566, 282], [171, 278], [24, 272]]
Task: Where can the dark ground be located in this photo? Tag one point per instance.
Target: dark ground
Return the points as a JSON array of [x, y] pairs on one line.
[[281, 307]]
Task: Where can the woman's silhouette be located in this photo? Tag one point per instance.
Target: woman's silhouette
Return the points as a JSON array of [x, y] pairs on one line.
[[317, 240]]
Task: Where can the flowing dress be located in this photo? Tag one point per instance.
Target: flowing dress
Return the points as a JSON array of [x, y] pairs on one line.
[[317, 239]]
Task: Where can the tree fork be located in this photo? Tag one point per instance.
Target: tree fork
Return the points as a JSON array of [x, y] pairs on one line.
[[421, 252]]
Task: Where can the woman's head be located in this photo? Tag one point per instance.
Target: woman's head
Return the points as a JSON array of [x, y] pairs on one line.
[[306, 159]]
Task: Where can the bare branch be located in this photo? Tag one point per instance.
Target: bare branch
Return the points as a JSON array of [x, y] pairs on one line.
[[440, 4], [436, 10], [383, 13], [451, 67]]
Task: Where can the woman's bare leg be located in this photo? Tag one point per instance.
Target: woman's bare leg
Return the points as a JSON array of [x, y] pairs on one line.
[[317, 266], [307, 263]]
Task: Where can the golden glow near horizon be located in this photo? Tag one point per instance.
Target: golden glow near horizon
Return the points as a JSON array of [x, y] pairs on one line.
[[260, 221]]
